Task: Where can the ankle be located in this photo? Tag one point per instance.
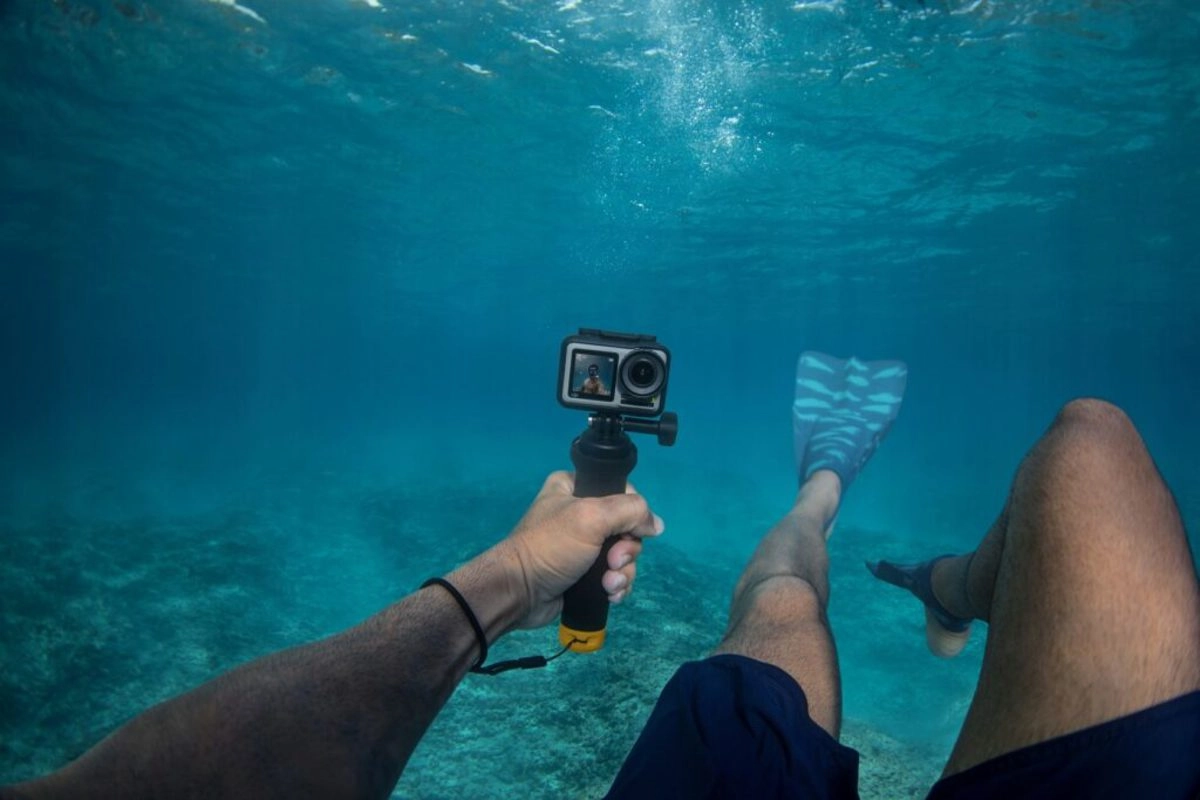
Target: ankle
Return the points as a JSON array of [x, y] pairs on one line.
[[819, 497], [949, 582]]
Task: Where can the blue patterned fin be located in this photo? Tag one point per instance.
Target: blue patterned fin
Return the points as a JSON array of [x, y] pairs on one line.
[[842, 411]]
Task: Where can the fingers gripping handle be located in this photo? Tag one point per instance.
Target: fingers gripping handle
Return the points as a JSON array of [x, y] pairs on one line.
[[602, 467]]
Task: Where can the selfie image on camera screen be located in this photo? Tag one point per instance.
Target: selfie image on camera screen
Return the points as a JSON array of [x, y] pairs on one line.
[[593, 375]]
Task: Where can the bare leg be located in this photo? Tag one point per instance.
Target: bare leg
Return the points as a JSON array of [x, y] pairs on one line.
[[1088, 585], [778, 611]]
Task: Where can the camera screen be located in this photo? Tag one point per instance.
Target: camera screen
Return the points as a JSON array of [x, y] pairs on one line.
[[593, 375]]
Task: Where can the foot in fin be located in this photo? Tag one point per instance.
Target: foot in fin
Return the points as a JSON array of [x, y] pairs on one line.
[[945, 633], [842, 411]]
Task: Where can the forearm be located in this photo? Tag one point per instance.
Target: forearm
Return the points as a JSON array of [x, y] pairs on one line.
[[336, 718]]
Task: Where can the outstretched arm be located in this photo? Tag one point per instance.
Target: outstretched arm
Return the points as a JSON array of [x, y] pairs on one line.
[[340, 717]]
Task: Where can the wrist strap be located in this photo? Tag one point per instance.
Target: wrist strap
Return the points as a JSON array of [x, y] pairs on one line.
[[471, 618], [528, 662]]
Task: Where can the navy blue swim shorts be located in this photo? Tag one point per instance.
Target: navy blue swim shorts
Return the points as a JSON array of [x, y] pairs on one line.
[[731, 726], [1154, 752], [734, 727]]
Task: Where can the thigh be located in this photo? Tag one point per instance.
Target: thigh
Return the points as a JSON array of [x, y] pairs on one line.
[[1095, 612]]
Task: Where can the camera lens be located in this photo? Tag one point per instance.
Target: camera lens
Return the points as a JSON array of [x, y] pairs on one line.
[[643, 374]]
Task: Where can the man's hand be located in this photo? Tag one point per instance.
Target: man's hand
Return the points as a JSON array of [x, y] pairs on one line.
[[561, 535], [340, 717]]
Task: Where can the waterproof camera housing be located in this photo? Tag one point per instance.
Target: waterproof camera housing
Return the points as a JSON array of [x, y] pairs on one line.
[[613, 373]]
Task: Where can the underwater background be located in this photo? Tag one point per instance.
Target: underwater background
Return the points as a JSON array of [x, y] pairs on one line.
[[282, 287]]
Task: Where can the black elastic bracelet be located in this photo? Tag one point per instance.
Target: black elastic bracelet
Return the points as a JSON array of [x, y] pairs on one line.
[[528, 662], [462, 602]]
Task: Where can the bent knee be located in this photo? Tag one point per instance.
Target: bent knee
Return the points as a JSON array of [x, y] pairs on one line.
[[1095, 418], [780, 598], [1092, 473], [1094, 432]]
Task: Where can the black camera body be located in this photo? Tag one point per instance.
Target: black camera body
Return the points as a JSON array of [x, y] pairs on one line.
[[613, 373]]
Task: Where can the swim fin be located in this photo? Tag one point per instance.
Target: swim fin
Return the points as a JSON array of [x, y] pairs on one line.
[[842, 411], [918, 579]]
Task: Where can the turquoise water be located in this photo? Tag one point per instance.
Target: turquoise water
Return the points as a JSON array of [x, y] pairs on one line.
[[282, 288]]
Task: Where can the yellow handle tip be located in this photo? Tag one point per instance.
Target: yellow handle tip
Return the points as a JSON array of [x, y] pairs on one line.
[[580, 641]]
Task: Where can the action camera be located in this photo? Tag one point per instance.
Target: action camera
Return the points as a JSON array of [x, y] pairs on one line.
[[613, 373], [621, 379]]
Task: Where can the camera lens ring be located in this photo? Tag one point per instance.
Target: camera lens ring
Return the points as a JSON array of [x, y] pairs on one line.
[[643, 373]]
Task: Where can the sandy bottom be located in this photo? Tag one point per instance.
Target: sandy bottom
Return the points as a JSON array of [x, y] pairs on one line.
[[102, 618]]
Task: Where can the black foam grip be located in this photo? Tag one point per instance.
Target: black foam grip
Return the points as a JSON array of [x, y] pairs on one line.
[[585, 605], [601, 468]]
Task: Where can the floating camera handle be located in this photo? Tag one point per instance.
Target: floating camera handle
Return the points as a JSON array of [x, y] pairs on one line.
[[603, 456]]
